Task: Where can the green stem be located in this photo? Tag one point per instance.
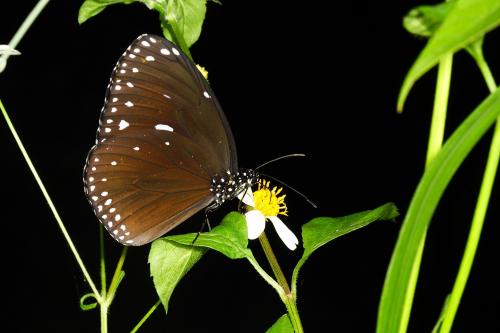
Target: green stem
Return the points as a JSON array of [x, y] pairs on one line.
[[50, 203], [117, 276], [287, 297], [436, 136], [146, 316], [273, 262], [481, 206], [104, 304], [28, 21]]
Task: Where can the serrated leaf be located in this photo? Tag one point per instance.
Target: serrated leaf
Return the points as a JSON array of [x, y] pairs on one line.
[[282, 325], [229, 237], [422, 207], [169, 262], [185, 18], [467, 22], [322, 230]]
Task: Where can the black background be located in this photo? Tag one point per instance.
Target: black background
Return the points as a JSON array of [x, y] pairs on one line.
[[291, 78]]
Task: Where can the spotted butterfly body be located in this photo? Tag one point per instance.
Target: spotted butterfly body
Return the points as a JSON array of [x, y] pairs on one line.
[[164, 149]]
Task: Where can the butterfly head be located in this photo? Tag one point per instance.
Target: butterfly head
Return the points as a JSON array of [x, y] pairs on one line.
[[228, 185]]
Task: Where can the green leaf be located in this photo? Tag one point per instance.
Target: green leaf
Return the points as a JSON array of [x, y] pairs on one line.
[[186, 19], [426, 19], [322, 230], [229, 238], [282, 325], [91, 8], [181, 20], [422, 207], [467, 22], [169, 262]]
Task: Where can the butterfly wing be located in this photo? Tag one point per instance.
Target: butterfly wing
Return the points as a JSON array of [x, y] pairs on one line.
[[162, 136]]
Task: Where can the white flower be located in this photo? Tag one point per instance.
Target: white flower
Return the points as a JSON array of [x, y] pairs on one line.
[[266, 205]]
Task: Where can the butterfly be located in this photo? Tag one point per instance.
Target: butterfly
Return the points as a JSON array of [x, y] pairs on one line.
[[164, 149]]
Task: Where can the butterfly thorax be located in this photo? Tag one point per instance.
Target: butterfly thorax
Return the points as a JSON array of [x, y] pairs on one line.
[[228, 185]]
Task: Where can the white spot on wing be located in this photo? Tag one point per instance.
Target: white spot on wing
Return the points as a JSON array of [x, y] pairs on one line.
[[135, 70], [123, 227], [104, 179], [137, 50], [117, 87], [92, 188], [93, 168], [109, 121], [123, 124], [115, 99], [174, 50], [96, 159], [113, 109], [95, 197], [132, 56], [152, 40], [130, 241], [136, 148], [129, 104], [107, 130], [166, 96], [110, 224], [130, 84], [115, 232], [145, 43], [112, 210], [206, 94], [113, 163], [91, 179], [108, 202], [165, 51], [104, 193], [167, 143], [150, 58], [163, 127], [117, 217]]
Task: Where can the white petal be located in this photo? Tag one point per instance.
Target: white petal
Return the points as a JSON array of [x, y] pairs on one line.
[[256, 222], [248, 199], [286, 235]]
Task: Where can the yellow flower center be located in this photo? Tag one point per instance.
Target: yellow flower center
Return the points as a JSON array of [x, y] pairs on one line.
[[267, 200]]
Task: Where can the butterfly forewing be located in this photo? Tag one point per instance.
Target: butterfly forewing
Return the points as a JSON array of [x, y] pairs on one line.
[[161, 138]]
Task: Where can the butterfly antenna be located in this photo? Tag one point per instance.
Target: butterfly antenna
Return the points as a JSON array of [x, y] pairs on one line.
[[279, 158], [291, 188]]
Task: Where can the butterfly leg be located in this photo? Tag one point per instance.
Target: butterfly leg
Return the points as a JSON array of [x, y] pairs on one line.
[[239, 202], [206, 222]]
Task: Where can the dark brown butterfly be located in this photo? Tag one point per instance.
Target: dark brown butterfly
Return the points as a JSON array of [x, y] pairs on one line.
[[164, 149]]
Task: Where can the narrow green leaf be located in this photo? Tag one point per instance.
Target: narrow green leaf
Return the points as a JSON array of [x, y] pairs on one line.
[[282, 325], [169, 262], [467, 21], [229, 238], [91, 8], [322, 230], [424, 202]]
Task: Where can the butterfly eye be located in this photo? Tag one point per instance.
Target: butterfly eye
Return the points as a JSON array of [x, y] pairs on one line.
[[164, 149]]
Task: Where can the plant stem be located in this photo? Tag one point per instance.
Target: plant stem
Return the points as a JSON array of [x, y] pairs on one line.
[[104, 304], [117, 276], [436, 136], [146, 316], [481, 205], [21, 31], [287, 297], [273, 262], [51, 204]]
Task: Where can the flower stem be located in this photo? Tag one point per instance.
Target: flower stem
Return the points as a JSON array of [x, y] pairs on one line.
[[50, 203], [288, 298], [117, 276], [278, 273], [146, 316], [21, 31]]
